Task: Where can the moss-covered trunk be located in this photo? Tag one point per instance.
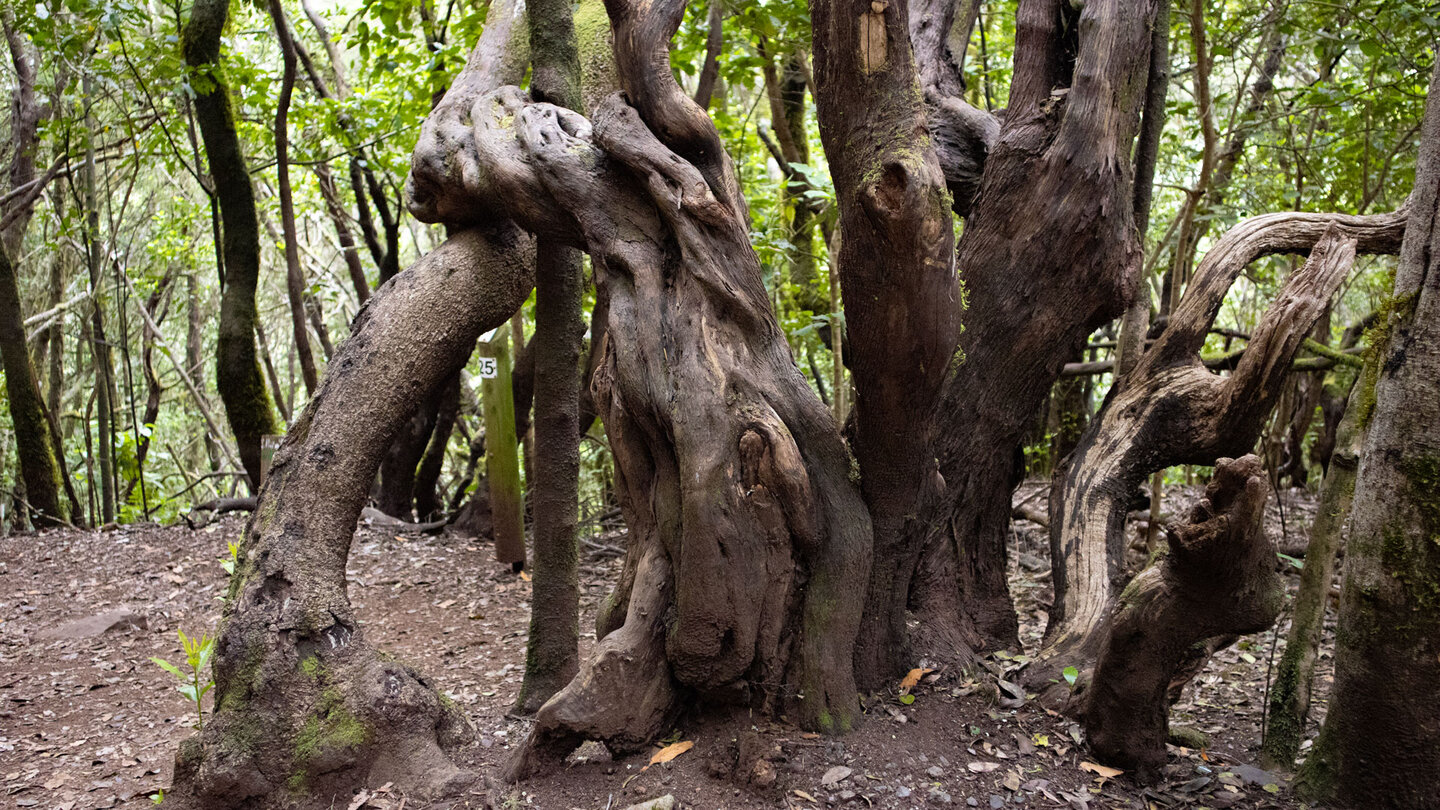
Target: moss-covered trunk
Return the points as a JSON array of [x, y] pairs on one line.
[[237, 366], [553, 655], [34, 447], [1379, 745]]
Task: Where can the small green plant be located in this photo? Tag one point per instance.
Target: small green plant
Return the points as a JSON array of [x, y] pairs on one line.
[[157, 797], [1071, 675], [193, 685], [229, 565]]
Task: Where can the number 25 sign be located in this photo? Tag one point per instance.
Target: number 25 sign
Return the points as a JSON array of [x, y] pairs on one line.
[[489, 369]]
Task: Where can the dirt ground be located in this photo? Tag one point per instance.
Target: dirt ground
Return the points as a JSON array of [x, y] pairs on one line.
[[88, 721]]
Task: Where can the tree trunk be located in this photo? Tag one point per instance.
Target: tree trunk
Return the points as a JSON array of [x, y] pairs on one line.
[[1172, 410], [33, 441], [99, 346], [237, 368], [897, 275], [1048, 255], [727, 463], [294, 275], [1291, 689], [553, 656], [1216, 579], [1378, 747], [304, 706], [428, 505]]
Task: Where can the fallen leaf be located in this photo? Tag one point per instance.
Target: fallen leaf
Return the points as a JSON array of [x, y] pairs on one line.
[[983, 767], [359, 800], [911, 678], [835, 776], [806, 796], [525, 575], [1102, 771], [669, 752]]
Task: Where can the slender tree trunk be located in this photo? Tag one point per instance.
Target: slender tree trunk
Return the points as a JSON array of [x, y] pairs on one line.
[[340, 219], [1378, 747], [294, 275], [237, 368], [428, 505], [99, 346], [34, 445], [1290, 694], [553, 656]]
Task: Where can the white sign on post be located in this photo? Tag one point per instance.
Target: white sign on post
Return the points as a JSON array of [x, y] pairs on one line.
[[489, 369]]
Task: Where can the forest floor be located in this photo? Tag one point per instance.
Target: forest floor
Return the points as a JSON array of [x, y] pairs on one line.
[[88, 721]]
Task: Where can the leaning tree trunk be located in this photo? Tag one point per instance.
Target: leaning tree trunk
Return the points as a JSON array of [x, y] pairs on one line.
[[749, 538], [237, 367], [1217, 578], [1379, 745], [897, 274], [303, 704], [1291, 690], [1048, 254], [1170, 409]]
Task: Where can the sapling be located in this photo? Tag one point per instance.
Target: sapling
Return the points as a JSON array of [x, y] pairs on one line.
[[193, 685]]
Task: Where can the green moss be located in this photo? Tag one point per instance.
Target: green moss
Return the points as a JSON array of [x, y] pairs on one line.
[[312, 668], [333, 727]]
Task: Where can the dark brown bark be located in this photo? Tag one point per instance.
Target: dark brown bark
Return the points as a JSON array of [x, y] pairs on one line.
[[341, 220], [1217, 579], [714, 43], [428, 503], [897, 275], [1172, 410], [34, 445], [1378, 745], [553, 653], [395, 494], [292, 662], [294, 275], [237, 367], [1048, 255]]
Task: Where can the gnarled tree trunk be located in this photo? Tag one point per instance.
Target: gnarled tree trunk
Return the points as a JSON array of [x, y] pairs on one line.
[[1172, 410], [1217, 578]]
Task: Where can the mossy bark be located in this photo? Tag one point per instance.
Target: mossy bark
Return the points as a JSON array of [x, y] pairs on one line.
[[502, 453], [237, 366], [1291, 690], [305, 708], [553, 654], [34, 444], [1379, 745]]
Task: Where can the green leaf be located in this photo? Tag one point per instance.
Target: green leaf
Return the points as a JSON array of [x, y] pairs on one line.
[[1071, 675], [907, 699], [168, 667]]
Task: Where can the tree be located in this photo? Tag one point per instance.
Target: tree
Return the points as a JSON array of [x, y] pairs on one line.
[[237, 366], [1378, 746], [32, 430]]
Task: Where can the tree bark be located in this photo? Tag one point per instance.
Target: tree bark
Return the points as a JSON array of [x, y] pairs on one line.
[[303, 704], [237, 367], [428, 503], [294, 275], [1048, 254], [1378, 745], [1172, 410], [34, 445], [1216, 579], [553, 655], [1291, 690], [897, 275], [727, 463]]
